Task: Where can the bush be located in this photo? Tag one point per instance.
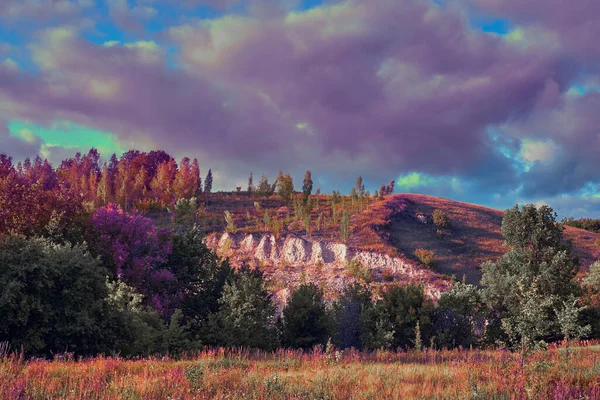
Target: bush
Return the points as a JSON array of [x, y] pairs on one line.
[[425, 257], [358, 271], [441, 219], [52, 298]]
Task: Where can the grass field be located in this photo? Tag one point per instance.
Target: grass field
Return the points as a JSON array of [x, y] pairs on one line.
[[237, 374]]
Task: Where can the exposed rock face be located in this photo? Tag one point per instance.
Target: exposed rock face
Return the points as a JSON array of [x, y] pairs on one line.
[[291, 258]]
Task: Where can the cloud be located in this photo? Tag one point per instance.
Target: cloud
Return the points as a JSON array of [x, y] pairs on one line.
[[350, 88]]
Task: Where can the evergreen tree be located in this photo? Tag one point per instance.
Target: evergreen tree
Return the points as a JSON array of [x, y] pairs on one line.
[[208, 181]]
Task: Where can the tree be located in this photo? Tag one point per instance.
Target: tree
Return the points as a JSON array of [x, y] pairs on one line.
[[307, 186], [285, 187], [382, 191], [52, 298], [390, 188], [162, 184], [208, 181], [344, 227], [129, 244], [104, 194], [360, 187], [250, 183], [348, 315], [393, 320], [459, 319], [264, 188], [196, 180], [246, 314], [304, 318], [201, 276], [532, 280], [185, 185]]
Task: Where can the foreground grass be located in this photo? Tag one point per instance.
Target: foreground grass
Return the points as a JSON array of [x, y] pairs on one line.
[[224, 374]]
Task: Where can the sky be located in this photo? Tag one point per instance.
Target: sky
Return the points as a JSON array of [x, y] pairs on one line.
[[494, 102]]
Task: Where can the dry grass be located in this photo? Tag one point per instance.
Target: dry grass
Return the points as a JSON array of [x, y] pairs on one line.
[[221, 374]]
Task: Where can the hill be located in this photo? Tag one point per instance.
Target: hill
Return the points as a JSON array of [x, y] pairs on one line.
[[383, 234], [475, 235]]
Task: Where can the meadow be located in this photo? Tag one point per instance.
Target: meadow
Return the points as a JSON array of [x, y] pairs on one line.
[[317, 374]]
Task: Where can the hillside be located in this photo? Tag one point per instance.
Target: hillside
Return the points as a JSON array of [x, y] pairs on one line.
[[476, 235], [383, 236]]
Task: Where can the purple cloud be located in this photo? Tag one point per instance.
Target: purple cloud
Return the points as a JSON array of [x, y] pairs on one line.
[[353, 88]]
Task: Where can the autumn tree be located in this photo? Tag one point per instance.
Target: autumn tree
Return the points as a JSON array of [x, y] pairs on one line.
[[104, 193], [196, 180], [163, 182]]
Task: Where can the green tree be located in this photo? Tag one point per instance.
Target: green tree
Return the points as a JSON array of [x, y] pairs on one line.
[[344, 227], [360, 187], [304, 318], [285, 187], [204, 275], [139, 331], [459, 319], [348, 316], [393, 320], [307, 186], [250, 183], [528, 283], [246, 314], [52, 298], [264, 188]]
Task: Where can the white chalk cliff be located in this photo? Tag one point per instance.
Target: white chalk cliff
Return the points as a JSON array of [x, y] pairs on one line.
[[295, 257]]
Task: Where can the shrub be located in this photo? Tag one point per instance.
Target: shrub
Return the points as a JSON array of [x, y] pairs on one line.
[[185, 209], [441, 219], [425, 257], [358, 271], [230, 222]]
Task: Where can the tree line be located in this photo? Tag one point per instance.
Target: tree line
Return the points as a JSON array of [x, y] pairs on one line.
[[108, 281]]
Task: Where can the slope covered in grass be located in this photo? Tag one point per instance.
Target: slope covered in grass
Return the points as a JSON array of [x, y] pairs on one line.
[[475, 234]]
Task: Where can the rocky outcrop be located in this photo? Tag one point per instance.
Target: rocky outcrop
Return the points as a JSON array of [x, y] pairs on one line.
[[292, 258]]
